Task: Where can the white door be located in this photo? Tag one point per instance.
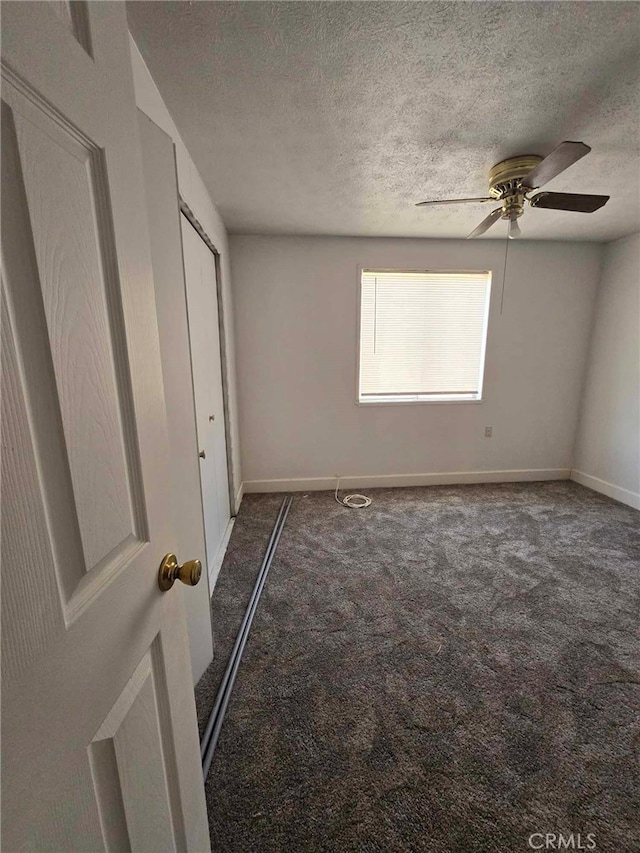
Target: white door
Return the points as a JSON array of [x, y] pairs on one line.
[[204, 334], [163, 214], [100, 748]]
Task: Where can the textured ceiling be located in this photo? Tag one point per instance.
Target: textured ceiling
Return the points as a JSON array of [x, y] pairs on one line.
[[335, 118]]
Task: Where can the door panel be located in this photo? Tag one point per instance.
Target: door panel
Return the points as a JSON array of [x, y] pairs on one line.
[[32, 598], [128, 762], [100, 747], [74, 15], [65, 198]]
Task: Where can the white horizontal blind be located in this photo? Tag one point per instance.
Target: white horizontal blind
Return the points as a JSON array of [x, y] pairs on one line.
[[422, 334]]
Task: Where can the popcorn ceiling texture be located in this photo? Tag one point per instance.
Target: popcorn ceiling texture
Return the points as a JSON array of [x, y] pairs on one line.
[[335, 118]]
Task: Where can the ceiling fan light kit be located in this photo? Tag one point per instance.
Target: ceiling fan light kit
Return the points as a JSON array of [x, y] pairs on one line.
[[511, 181]]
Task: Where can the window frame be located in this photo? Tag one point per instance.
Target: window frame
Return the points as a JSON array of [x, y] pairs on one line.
[[452, 401]]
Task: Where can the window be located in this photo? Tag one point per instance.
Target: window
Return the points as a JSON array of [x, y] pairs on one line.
[[422, 335]]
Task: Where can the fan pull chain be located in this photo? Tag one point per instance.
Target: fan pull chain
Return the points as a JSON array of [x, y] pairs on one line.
[[504, 273]]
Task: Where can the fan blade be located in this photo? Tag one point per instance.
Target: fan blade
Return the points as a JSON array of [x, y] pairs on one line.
[[486, 223], [562, 156], [569, 201], [454, 201]]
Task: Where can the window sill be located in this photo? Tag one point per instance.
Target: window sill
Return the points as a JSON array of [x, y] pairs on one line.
[[455, 401]]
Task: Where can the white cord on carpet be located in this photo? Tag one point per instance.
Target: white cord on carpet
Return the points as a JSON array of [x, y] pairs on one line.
[[352, 501]]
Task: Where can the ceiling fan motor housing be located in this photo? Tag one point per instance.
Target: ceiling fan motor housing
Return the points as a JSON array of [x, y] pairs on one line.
[[505, 183], [512, 180]]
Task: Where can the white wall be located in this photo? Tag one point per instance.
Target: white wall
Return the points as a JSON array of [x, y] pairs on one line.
[[607, 453], [296, 319], [195, 194]]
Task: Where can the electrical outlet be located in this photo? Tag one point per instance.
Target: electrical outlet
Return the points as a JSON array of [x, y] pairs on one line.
[[488, 431]]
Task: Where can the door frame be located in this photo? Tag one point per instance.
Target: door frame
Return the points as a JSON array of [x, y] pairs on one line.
[[191, 218]]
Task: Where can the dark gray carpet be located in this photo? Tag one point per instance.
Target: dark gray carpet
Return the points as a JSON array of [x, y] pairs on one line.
[[450, 670]]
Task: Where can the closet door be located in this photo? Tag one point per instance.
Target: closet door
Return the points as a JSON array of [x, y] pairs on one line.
[[204, 334]]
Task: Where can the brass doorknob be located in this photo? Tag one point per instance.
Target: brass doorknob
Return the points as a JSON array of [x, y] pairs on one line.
[[170, 572]]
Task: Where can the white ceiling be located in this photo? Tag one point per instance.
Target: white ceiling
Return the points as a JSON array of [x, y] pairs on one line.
[[335, 118]]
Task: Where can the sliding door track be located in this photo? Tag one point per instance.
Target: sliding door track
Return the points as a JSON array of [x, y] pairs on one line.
[[216, 719]]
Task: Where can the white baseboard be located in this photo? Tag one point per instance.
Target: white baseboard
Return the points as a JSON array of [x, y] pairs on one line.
[[609, 489], [393, 480], [216, 564], [239, 496]]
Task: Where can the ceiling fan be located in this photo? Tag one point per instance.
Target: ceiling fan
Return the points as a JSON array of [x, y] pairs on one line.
[[511, 182]]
